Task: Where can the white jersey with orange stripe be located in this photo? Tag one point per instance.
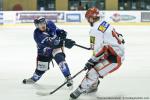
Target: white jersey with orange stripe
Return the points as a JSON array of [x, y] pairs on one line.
[[103, 34]]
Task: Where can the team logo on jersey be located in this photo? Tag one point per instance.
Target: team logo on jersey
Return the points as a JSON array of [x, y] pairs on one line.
[[103, 26]]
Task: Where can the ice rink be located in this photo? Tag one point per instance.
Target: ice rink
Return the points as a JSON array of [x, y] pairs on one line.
[[18, 61]]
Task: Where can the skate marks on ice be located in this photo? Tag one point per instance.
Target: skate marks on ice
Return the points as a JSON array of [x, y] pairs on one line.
[[48, 87], [44, 90], [43, 86]]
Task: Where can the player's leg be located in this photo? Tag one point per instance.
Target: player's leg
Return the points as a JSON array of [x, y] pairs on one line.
[[41, 67], [89, 84], [59, 57], [111, 64]]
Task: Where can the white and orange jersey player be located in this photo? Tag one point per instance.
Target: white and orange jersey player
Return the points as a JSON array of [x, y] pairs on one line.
[[108, 53]]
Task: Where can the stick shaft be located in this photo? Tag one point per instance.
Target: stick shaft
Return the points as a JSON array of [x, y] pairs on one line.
[[66, 82], [82, 47]]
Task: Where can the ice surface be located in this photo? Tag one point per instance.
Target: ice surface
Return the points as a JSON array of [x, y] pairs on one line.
[[18, 55]]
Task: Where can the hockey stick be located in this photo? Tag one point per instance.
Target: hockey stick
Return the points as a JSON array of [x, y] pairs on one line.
[[79, 45], [49, 93], [82, 47]]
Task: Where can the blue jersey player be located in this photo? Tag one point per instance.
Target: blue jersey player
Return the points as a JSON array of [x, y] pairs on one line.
[[50, 42]]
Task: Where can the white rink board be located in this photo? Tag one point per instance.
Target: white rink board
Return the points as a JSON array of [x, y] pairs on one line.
[[18, 54], [15, 17]]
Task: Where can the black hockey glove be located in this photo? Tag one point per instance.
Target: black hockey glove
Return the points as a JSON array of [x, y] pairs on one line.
[[56, 43], [69, 43], [61, 33], [90, 64], [121, 38]]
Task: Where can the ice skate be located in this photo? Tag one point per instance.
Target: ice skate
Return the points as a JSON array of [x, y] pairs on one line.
[[94, 87], [70, 82], [76, 93]]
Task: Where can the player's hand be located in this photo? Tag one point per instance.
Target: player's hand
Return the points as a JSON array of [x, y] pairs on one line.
[[69, 43], [61, 33], [90, 64]]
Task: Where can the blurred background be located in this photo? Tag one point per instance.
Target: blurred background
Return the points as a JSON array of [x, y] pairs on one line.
[[64, 11], [33, 5]]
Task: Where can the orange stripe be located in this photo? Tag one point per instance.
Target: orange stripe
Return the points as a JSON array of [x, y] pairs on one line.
[[100, 52], [111, 50], [104, 49], [115, 35]]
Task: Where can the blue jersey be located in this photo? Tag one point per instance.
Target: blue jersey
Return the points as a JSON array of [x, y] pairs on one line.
[[42, 39]]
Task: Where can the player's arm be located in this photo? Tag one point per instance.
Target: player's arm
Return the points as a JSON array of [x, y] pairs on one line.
[[118, 36], [62, 34], [48, 41]]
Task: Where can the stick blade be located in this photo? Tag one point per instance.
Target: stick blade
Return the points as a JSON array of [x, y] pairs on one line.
[[40, 93]]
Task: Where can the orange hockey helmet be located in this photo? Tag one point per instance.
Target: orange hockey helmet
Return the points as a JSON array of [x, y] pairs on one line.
[[92, 13]]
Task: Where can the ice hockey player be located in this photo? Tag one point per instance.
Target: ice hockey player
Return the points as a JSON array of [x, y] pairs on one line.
[[50, 42], [108, 54]]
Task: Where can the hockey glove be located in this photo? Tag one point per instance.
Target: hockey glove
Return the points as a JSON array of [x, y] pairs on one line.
[[61, 33], [90, 64], [69, 43]]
